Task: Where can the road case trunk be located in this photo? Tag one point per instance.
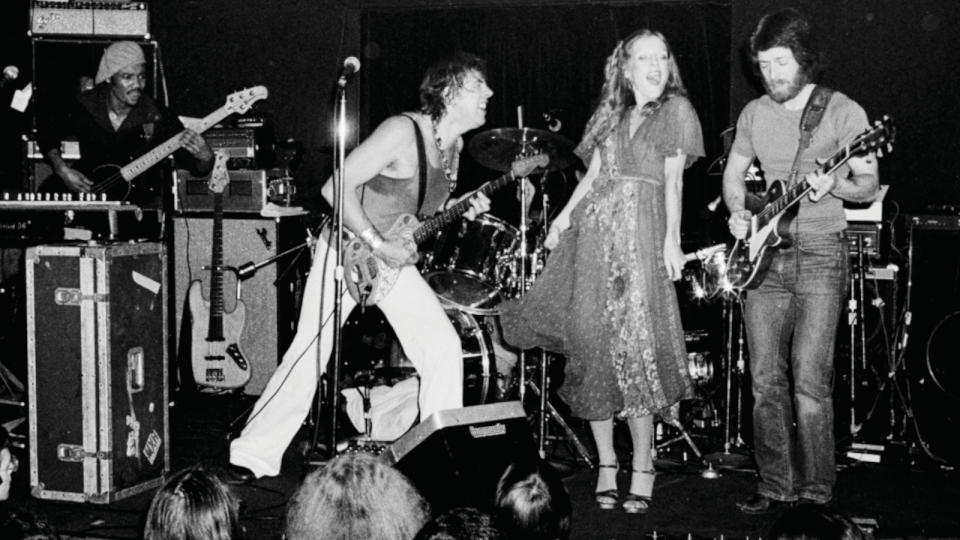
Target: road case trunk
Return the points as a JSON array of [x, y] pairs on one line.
[[97, 370]]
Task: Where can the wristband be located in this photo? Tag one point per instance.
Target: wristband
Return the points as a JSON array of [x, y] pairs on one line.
[[372, 238]]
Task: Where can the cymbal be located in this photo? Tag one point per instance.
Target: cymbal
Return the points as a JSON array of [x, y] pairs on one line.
[[498, 148]]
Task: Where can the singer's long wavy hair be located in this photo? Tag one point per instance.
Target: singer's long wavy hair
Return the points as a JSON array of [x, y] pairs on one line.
[[445, 75], [616, 96]]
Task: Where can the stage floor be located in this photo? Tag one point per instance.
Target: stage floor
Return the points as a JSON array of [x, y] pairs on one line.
[[909, 498]]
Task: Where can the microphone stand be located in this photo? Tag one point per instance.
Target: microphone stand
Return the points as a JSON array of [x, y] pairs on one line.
[[338, 180]]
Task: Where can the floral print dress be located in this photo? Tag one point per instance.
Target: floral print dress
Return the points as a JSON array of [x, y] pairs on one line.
[[604, 300]]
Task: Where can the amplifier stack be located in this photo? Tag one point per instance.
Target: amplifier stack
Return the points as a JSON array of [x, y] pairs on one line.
[[108, 18]]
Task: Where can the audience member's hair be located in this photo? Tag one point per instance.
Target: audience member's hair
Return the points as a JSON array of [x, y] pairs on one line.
[[532, 502], [814, 522], [193, 504], [460, 523], [355, 496]]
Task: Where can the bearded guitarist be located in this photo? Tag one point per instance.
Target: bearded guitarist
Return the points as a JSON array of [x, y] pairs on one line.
[[791, 317], [116, 122], [408, 165]]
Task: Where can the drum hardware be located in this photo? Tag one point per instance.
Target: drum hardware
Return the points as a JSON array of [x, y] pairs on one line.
[[495, 149], [281, 191], [730, 460]]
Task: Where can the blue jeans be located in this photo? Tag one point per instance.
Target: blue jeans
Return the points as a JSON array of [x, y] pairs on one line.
[[791, 323]]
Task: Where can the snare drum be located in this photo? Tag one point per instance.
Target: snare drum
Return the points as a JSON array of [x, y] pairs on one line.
[[464, 264]]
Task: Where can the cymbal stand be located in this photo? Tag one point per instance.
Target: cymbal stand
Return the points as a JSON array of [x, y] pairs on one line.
[[544, 405], [857, 329], [727, 458]]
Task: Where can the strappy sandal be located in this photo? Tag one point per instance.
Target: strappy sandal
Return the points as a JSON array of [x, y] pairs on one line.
[[607, 500], [637, 504]]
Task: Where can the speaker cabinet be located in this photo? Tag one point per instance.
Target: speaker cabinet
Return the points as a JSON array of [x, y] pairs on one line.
[[455, 457], [265, 333], [931, 353]]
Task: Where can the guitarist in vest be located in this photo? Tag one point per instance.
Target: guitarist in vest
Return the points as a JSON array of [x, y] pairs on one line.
[[118, 121], [382, 181], [791, 317]]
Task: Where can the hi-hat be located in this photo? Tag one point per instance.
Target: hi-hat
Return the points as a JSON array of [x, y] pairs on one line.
[[498, 148]]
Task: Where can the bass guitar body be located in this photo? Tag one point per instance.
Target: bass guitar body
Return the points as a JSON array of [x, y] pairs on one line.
[[218, 361], [749, 259]]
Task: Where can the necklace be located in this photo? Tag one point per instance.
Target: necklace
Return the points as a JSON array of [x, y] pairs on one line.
[[451, 176]]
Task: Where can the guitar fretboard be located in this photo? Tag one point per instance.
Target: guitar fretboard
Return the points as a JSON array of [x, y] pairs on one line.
[[453, 213], [801, 188]]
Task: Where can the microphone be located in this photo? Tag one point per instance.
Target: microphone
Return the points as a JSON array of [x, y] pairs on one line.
[[350, 67], [553, 123], [10, 73]]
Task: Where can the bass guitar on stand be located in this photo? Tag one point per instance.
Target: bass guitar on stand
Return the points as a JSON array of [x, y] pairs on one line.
[[369, 279], [215, 354], [750, 257]]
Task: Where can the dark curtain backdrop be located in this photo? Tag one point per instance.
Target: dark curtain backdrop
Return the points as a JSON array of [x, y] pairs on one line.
[[550, 58]]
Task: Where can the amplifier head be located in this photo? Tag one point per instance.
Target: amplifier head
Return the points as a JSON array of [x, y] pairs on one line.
[[245, 193]]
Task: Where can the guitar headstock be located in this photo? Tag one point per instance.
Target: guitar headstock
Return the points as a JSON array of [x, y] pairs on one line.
[[240, 102], [877, 138], [526, 165], [219, 178]]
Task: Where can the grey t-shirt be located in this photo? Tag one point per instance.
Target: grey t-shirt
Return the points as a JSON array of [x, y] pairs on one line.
[[771, 133]]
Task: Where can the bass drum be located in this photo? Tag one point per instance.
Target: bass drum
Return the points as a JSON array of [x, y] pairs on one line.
[[477, 355]]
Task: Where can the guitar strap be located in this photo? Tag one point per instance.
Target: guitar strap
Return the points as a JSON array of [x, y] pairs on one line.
[[422, 165], [809, 120]]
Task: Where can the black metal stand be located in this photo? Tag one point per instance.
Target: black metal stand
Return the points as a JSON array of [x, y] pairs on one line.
[[728, 459]]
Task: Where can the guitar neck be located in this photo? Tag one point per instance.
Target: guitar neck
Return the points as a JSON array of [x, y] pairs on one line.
[[171, 145], [215, 323], [454, 213], [797, 191]]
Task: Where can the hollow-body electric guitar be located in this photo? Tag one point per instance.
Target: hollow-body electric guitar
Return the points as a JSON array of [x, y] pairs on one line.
[[369, 279], [117, 182], [215, 354], [749, 258]]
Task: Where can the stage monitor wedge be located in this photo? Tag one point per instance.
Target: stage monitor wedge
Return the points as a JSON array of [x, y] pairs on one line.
[[455, 457]]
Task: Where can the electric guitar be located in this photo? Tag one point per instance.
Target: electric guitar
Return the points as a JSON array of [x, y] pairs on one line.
[[216, 357], [749, 258], [369, 279], [117, 182]]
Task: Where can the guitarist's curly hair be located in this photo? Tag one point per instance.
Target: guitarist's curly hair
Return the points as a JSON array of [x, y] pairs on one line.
[[790, 29], [447, 74]]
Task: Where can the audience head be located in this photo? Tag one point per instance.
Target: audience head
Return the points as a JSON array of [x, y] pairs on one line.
[[814, 522], [532, 502], [193, 504], [355, 496], [8, 464], [460, 523]]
